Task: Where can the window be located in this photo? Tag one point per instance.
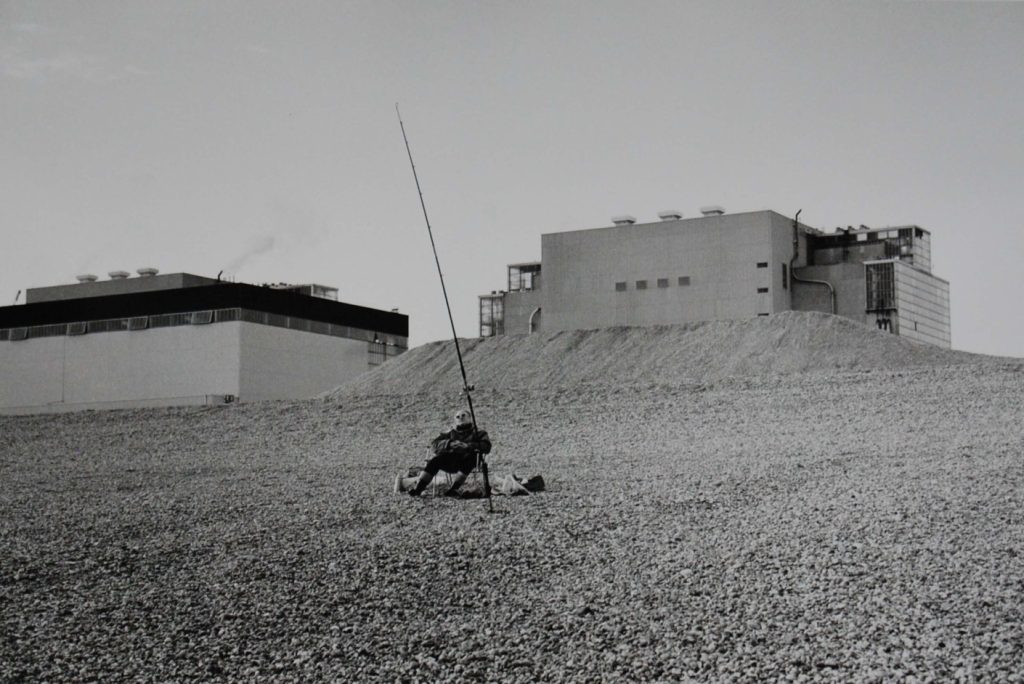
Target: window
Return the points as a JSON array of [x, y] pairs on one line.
[[377, 353], [18, 334], [662, 282], [620, 287], [76, 328], [762, 314], [138, 323], [641, 284], [762, 290], [523, 277], [219, 316], [762, 264], [201, 317], [881, 286], [684, 281], [785, 277], [492, 316]]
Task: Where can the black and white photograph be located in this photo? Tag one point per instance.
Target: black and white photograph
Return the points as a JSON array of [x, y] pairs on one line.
[[511, 341]]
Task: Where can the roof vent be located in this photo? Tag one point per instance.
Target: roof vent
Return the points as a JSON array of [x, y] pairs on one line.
[[86, 278], [147, 272], [118, 275], [670, 215], [624, 220], [713, 210]]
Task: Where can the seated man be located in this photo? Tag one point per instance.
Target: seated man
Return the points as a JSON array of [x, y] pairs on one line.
[[456, 452]]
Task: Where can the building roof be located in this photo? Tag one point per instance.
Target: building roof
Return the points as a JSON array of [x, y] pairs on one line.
[[115, 286], [221, 295], [712, 219]]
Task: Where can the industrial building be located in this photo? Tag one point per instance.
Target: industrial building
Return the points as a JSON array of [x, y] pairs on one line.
[[722, 266], [181, 339]]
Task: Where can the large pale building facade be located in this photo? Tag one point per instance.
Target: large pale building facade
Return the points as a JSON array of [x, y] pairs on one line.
[[181, 339], [722, 266]]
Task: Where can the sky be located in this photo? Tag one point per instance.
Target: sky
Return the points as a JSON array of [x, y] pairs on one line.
[[261, 139]]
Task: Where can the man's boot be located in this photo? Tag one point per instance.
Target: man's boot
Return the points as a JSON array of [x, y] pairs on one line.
[[453, 491], [421, 484]]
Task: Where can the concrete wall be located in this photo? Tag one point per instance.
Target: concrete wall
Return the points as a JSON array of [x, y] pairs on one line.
[[848, 281], [32, 372], [279, 363], [518, 308], [922, 305], [180, 365], [159, 366], [719, 255], [781, 252]]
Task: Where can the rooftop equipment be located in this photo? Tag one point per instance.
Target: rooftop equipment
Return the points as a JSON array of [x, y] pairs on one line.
[[147, 272], [118, 275], [624, 220], [86, 278], [712, 210], [670, 215]]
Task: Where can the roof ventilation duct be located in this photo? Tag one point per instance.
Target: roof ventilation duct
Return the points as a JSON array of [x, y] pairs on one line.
[[670, 215], [118, 275], [624, 220], [86, 278], [712, 210], [147, 272]]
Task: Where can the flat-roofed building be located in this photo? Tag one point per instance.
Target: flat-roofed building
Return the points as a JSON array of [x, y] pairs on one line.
[[182, 339], [721, 266]]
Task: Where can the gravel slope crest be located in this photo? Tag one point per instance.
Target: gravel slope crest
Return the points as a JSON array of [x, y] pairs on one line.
[[791, 342]]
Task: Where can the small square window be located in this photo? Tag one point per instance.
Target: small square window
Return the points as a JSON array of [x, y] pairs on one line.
[[762, 289], [662, 282], [620, 287], [762, 264], [684, 281], [641, 284]]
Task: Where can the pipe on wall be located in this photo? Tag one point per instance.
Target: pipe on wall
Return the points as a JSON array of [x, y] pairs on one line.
[[796, 253]]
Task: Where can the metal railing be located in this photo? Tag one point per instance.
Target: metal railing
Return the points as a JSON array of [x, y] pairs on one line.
[[141, 323]]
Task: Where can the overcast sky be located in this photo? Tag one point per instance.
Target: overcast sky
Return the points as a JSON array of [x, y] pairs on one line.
[[260, 138]]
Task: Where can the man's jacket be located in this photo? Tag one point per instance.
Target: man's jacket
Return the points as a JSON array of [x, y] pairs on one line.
[[474, 441]]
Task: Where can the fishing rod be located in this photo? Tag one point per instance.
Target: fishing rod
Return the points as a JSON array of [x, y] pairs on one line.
[[466, 387]]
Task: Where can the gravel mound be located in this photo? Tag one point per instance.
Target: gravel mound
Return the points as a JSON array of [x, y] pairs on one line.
[[791, 342]]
